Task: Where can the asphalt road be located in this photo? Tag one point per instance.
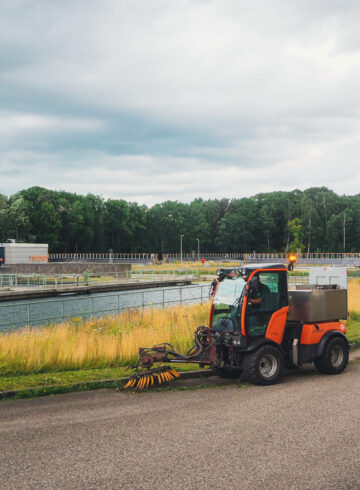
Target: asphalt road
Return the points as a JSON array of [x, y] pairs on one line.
[[301, 434]]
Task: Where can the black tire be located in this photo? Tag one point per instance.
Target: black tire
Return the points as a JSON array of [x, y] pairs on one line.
[[334, 358], [264, 366], [227, 373]]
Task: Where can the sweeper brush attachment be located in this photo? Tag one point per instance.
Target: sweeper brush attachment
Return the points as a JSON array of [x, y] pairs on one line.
[[151, 377]]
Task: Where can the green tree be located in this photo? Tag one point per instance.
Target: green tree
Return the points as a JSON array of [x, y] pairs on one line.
[[47, 225], [295, 228]]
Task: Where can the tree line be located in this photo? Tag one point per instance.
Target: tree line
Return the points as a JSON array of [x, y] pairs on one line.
[[314, 220]]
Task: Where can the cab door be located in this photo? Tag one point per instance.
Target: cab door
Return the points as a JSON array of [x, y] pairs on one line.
[[274, 297]]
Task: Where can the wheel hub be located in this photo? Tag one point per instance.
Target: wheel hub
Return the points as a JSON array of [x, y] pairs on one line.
[[336, 356], [268, 366]]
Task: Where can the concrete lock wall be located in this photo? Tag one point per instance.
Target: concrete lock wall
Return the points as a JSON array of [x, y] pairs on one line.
[[66, 268]]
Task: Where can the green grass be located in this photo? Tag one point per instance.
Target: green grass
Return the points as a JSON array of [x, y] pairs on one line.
[[66, 378], [353, 327]]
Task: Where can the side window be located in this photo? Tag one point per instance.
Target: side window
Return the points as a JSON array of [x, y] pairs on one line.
[[271, 300], [272, 290], [271, 279]]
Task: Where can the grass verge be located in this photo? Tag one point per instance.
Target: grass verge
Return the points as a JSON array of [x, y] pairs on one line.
[[19, 381], [37, 384], [353, 327]]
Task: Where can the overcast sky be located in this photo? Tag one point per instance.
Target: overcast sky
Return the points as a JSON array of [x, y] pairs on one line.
[[149, 100]]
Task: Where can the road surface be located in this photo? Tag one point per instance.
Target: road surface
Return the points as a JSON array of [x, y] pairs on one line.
[[301, 434]]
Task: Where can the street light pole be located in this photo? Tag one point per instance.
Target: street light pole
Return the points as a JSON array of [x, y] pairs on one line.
[[181, 247], [198, 248]]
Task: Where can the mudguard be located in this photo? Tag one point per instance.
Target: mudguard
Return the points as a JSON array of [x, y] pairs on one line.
[[325, 339], [263, 341]]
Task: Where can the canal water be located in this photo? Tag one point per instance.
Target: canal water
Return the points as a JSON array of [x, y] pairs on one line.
[[16, 314]]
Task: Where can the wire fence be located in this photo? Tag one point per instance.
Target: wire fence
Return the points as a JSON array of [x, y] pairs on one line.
[[16, 314]]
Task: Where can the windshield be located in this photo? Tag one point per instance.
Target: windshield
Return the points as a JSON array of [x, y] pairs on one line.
[[229, 290]]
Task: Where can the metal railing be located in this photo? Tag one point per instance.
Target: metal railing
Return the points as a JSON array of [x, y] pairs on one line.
[[294, 280], [146, 257], [29, 282], [165, 274], [102, 257], [59, 281], [261, 256], [14, 315]]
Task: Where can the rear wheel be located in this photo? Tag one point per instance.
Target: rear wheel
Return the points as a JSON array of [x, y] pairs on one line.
[[264, 366], [334, 358]]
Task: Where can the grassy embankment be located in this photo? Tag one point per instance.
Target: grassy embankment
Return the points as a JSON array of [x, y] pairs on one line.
[[102, 348]]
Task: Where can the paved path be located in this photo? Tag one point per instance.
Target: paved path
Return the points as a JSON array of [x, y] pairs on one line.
[[301, 434]]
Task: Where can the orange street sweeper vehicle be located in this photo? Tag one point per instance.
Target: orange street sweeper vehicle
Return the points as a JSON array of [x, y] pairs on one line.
[[257, 327]]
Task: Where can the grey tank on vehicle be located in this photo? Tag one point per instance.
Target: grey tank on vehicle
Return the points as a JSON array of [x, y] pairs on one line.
[[317, 305]]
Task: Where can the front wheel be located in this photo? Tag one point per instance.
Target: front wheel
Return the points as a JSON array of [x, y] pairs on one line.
[[334, 358], [264, 366]]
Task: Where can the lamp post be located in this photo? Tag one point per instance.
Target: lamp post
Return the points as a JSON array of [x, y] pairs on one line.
[[181, 237], [198, 248]]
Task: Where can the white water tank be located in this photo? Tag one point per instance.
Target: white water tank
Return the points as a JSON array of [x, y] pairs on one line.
[[329, 275]]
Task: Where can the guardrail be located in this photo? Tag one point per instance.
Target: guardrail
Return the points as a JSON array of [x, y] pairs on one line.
[[14, 315]]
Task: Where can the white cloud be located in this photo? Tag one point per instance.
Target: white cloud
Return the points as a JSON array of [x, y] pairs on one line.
[[16, 124], [213, 98]]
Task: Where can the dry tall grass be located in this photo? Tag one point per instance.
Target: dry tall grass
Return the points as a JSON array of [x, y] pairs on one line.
[[100, 342], [354, 295]]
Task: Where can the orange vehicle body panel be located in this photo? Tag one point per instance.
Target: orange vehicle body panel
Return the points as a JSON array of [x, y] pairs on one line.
[[276, 327], [312, 335], [243, 312]]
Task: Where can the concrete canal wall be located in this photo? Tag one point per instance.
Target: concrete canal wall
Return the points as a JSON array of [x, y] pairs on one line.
[[66, 268], [96, 288]]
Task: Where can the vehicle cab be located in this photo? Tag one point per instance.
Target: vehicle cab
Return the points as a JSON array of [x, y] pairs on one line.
[[248, 297]]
